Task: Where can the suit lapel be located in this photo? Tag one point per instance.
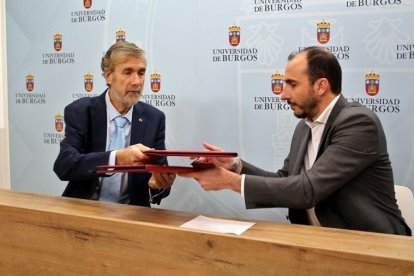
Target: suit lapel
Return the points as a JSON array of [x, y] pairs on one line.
[[98, 120], [139, 124], [303, 135], [339, 106]]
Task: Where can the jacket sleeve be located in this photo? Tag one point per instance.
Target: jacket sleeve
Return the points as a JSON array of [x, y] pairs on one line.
[[351, 146], [74, 161], [157, 195]]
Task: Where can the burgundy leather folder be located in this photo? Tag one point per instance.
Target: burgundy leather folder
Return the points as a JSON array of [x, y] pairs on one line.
[[190, 153], [148, 168], [105, 169]]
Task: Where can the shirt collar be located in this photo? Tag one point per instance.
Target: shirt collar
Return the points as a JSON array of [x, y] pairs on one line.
[[323, 117], [112, 112]]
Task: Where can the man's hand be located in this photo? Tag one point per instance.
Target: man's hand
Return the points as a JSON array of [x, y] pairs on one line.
[[216, 178], [161, 180], [132, 155], [223, 162]]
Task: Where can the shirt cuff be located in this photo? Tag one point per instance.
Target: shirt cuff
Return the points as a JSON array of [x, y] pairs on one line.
[[242, 185], [112, 158]]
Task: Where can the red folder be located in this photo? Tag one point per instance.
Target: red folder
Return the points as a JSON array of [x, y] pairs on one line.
[[104, 169], [190, 153]]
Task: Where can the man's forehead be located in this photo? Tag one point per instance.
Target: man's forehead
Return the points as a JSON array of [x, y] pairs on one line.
[[297, 64], [300, 58], [129, 58]]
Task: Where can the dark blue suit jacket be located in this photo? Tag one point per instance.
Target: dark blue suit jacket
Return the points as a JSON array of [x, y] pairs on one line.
[[84, 148]]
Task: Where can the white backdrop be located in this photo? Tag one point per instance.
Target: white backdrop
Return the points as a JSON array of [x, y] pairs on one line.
[[210, 90]]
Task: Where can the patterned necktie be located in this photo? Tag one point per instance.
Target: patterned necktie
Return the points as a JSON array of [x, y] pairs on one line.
[[111, 186]]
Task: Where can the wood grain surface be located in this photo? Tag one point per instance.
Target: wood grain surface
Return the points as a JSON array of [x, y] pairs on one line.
[[46, 235]]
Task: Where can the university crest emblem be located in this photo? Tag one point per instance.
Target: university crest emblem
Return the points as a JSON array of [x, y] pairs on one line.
[[277, 84], [155, 82], [234, 35], [87, 4], [57, 42], [120, 36], [323, 32], [29, 82], [88, 82], [372, 83], [59, 123]]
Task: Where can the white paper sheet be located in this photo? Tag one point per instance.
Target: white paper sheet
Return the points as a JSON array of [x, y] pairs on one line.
[[218, 225]]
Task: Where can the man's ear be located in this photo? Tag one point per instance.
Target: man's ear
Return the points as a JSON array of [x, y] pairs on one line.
[[108, 76], [321, 86]]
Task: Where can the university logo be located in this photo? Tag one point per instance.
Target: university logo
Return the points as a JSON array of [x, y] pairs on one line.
[[88, 82], [29, 82], [372, 83], [323, 32], [59, 123], [155, 82], [277, 84], [234, 35], [120, 36], [87, 4], [57, 42]]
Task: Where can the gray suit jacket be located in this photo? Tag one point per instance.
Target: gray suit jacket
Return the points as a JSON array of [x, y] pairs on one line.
[[350, 184]]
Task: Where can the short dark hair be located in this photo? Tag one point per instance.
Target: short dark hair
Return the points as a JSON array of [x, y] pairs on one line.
[[322, 64]]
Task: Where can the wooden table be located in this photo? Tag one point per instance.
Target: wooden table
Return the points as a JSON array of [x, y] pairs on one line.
[[45, 235]]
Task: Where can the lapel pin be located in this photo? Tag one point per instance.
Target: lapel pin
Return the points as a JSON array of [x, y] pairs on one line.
[[140, 120]]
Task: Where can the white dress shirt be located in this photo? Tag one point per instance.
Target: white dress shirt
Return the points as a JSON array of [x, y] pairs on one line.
[[111, 113]]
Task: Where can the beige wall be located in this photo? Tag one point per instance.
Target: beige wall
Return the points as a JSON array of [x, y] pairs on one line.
[[4, 133]]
